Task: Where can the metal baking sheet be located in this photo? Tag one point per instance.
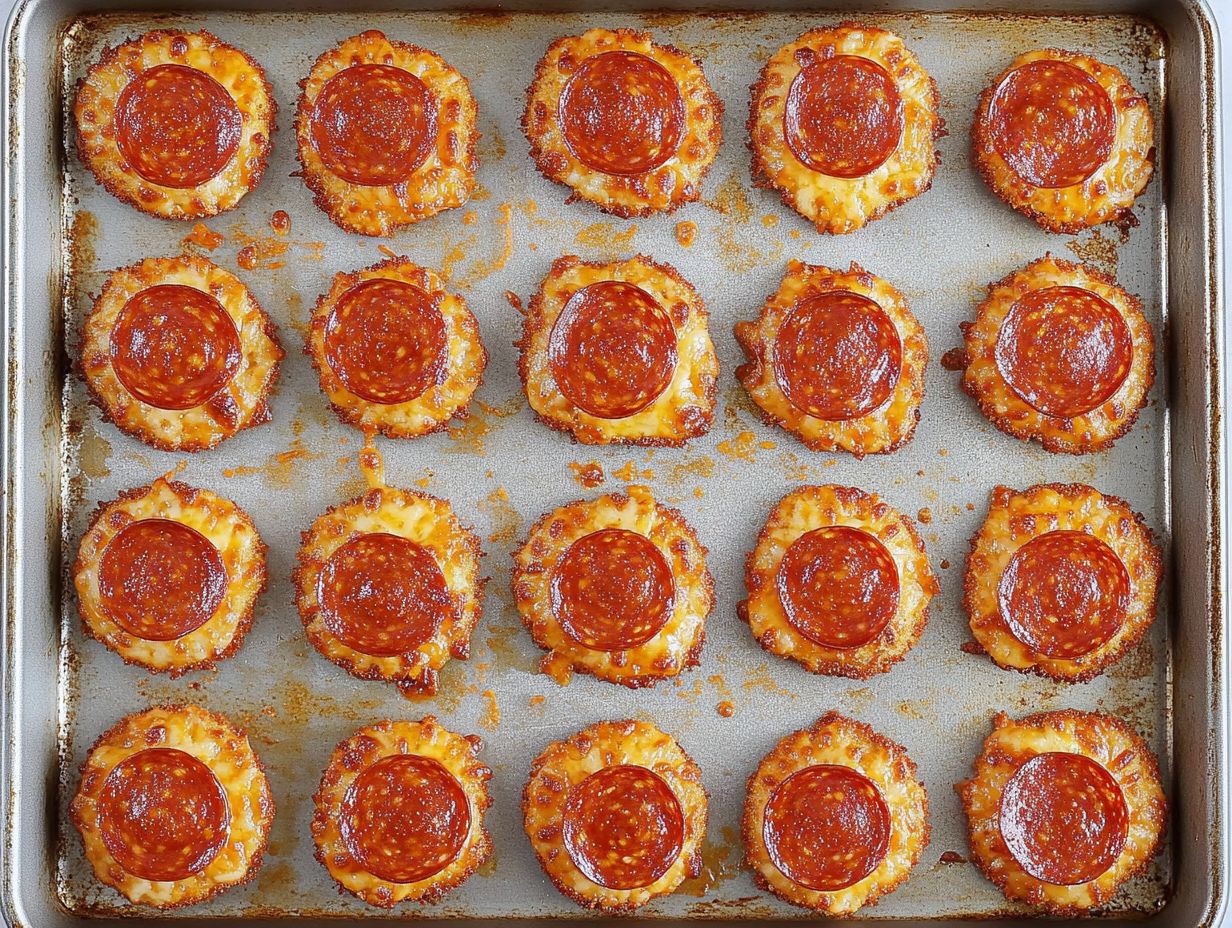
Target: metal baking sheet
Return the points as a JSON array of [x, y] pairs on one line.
[[500, 469]]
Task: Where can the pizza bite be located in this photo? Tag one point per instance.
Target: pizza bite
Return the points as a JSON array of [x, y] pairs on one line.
[[386, 134], [627, 124], [173, 807]]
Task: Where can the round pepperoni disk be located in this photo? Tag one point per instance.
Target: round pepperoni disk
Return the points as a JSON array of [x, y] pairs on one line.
[[837, 355], [621, 113], [843, 116], [382, 594], [386, 341], [838, 586], [612, 350], [174, 347], [613, 590], [163, 814], [623, 827], [1064, 594], [1064, 818], [1052, 123], [405, 818], [159, 580], [826, 827], [374, 124], [1064, 350], [176, 126]]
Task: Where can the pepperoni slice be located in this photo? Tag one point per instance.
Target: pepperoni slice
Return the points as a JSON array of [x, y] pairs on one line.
[[837, 355], [1064, 350], [159, 580], [176, 126], [174, 347], [1052, 123], [613, 590], [163, 815], [374, 124], [385, 340], [838, 586], [621, 113], [612, 350], [623, 827], [382, 594], [1064, 594], [405, 818], [843, 116], [1064, 818], [826, 827]]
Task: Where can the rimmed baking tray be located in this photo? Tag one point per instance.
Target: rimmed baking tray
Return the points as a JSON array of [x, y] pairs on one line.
[[501, 470]]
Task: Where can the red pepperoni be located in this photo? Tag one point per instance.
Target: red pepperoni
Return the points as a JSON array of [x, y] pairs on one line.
[[176, 126], [621, 113], [612, 350], [1052, 123], [623, 827], [838, 586], [826, 827], [159, 580], [613, 590], [374, 124], [174, 347], [1064, 350], [382, 594], [843, 116], [1064, 818], [163, 815], [405, 818], [1064, 594], [837, 355], [386, 341]]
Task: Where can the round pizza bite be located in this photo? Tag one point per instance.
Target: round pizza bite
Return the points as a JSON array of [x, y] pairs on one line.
[[173, 807], [179, 354], [629, 125], [176, 124], [1063, 808], [616, 815], [1061, 580], [395, 352], [398, 816], [836, 358], [1065, 139], [843, 124], [1060, 354], [386, 134], [619, 353], [834, 817]]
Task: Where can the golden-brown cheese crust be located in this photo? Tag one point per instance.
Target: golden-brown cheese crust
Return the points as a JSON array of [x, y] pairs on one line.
[[432, 410], [664, 189], [225, 525], [459, 754], [677, 646], [564, 764], [94, 110], [842, 204], [684, 410], [1105, 196], [881, 431], [223, 748], [836, 739], [1096, 430], [241, 404], [444, 180], [1013, 520], [1104, 739]]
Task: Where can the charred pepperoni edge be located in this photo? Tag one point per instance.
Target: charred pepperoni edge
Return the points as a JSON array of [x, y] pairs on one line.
[[1151, 554]]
